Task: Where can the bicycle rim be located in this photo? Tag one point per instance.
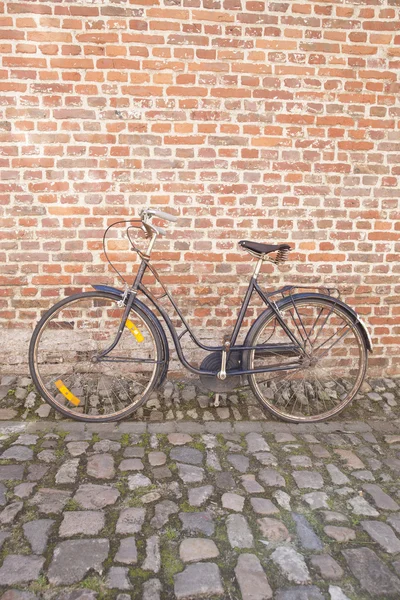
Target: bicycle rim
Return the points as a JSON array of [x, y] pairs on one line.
[[326, 379], [63, 358]]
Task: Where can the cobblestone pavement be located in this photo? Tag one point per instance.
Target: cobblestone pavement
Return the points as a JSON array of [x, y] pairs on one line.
[[239, 509], [185, 401]]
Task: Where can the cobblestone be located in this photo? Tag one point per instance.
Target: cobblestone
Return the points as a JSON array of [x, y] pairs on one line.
[[139, 528]]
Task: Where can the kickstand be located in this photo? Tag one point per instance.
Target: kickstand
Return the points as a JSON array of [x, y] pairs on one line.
[[216, 400]]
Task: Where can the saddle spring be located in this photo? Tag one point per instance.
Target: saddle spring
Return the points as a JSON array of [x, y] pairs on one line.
[[280, 257]]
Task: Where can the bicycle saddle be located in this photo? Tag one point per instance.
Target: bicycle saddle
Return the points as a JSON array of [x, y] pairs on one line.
[[263, 248]]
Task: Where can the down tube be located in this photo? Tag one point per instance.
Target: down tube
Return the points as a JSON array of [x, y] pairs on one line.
[[174, 335]]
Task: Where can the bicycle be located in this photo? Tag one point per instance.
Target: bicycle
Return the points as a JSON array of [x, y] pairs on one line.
[[97, 356]]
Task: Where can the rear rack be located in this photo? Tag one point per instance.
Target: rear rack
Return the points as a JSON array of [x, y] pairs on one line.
[[289, 290]]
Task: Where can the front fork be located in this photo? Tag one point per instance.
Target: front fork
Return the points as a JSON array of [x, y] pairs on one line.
[[130, 299]]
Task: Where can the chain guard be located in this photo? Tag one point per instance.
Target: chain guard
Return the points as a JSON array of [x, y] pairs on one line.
[[212, 362]]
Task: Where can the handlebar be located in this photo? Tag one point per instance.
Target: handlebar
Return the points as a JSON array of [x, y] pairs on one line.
[[148, 213], [161, 215], [153, 212]]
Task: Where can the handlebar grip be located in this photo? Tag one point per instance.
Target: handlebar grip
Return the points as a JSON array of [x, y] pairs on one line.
[[163, 215]]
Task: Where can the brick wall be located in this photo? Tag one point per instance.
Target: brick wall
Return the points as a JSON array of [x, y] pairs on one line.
[[277, 121]]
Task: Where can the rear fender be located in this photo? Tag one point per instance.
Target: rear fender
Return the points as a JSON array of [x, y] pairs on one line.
[[281, 303], [153, 319], [350, 311]]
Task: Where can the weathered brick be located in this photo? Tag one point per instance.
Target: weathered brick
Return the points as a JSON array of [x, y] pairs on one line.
[[268, 120]]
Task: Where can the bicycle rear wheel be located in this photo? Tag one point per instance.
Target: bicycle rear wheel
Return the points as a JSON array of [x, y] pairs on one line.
[[64, 367], [326, 380]]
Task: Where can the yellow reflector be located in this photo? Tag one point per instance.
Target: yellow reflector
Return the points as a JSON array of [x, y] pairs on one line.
[[134, 330], [67, 393]]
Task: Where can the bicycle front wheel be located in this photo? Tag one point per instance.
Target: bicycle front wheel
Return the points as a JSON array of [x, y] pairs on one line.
[[64, 350], [323, 381]]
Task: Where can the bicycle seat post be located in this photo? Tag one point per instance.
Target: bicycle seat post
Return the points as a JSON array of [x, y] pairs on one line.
[[258, 266]]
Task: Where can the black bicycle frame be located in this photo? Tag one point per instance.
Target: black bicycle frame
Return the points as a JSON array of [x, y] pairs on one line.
[[296, 348]]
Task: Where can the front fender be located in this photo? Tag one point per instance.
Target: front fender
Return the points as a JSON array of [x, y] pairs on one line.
[[154, 320], [109, 289]]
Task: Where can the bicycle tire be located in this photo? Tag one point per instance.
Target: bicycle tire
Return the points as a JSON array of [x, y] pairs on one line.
[[267, 318], [48, 395]]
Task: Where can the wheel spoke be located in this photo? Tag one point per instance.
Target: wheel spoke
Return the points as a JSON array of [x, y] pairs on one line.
[[105, 389], [329, 375]]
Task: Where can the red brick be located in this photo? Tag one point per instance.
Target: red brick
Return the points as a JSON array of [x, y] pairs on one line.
[[249, 119]]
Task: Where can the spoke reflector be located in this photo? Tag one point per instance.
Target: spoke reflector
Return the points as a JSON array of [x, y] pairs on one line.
[[134, 330], [67, 393]]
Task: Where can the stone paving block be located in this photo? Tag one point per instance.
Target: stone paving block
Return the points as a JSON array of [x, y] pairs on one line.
[[186, 454], [138, 481], [93, 496], [374, 576], [252, 580], [196, 549], [153, 558], [131, 464], [239, 532], [232, 501], [267, 459], [308, 480], [190, 473], [380, 498], [65, 569], [118, 578], [304, 592], [360, 506], [327, 566], [282, 498], [68, 471], [151, 590], [86, 522], [127, 551], [179, 439], [198, 522], [23, 490], [307, 536], [9, 513], [239, 462], [340, 534], [200, 495], [352, 461], [162, 513], [292, 564], [198, 580], [263, 506], [101, 466], [273, 529], [37, 533], [130, 520], [19, 453], [316, 500], [338, 478], [394, 521], [271, 478], [336, 593], [156, 459], [11, 472], [18, 569], [383, 535], [18, 595]]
